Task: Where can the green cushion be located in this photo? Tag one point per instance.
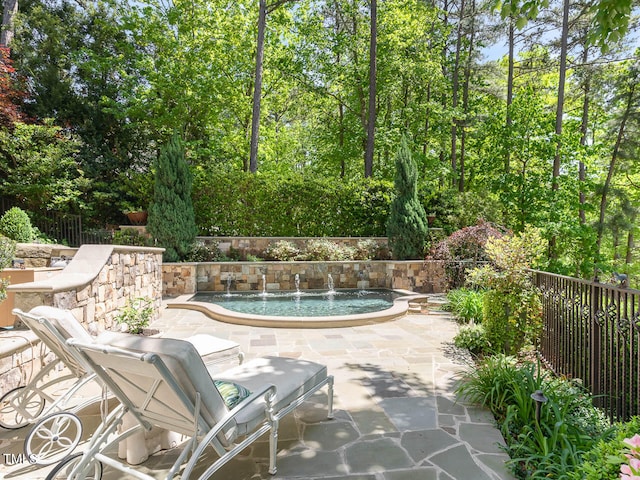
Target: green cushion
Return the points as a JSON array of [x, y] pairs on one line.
[[231, 393]]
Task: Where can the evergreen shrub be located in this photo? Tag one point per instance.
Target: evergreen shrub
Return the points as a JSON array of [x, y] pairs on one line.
[[473, 338], [171, 217], [16, 225], [407, 225]]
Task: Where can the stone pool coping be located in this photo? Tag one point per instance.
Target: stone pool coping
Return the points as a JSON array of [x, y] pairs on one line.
[[400, 308]]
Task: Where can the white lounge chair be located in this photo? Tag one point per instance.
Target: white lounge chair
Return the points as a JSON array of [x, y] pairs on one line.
[[165, 384], [50, 401]]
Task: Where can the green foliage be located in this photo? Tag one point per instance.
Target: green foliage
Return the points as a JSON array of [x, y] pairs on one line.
[[289, 205], [131, 236], [512, 307], [171, 217], [16, 225], [321, 249], [204, 252], [282, 250], [466, 304], [369, 249], [602, 462], [136, 315], [38, 165], [569, 423], [7, 252], [473, 338], [468, 243], [407, 226]]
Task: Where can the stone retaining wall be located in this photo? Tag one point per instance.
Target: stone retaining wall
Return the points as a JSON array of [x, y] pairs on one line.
[[188, 278], [128, 272]]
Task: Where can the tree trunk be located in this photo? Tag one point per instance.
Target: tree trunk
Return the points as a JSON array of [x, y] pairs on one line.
[[371, 121], [630, 246], [561, 83], [465, 96], [583, 135], [612, 164], [507, 154], [454, 99], [10, 10], [257, 90], [426, 121], [559, 112]]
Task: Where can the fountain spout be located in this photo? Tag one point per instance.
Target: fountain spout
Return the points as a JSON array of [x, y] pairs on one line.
[[297, 283], [264, 285], [229, 280], [330, 284]]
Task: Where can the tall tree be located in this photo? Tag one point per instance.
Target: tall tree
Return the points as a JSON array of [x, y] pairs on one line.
[[371, 118], [10, 9]]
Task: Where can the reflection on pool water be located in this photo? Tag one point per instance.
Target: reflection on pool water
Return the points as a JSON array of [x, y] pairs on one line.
[[304, 303]]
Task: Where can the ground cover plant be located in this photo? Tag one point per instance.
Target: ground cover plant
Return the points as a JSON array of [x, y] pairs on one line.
[[569, 425]]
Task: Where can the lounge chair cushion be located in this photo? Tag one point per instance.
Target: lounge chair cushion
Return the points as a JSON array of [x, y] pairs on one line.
[[64, 321], [292, 378], [213, 349], [184, 362]]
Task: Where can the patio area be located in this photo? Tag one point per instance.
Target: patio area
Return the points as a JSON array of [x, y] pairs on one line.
[[396, 415]]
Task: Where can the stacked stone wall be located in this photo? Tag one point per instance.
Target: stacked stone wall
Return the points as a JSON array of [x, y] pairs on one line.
[[417, 276], [129, 272]]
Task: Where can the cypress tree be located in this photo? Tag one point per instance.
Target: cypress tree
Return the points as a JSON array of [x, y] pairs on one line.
[[407, 224], [171, 217]]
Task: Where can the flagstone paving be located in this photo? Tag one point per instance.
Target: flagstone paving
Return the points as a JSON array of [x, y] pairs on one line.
[[396, 416]]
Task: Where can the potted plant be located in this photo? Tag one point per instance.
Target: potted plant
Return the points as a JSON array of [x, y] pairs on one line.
[[136, 316], [136, 214]]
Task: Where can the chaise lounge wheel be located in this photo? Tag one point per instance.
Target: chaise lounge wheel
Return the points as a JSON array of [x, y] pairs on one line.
[[62, 471], [19, 407], [53, 438]]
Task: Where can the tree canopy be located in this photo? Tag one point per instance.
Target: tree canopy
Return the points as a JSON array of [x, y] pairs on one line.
[[104, 83]]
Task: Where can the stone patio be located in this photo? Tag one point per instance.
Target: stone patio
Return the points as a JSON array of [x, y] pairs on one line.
[[396, 414]]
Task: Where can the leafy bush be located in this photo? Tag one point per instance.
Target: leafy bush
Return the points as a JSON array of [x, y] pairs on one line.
[[602, 462], [569, 424], [473, 338], [7, 252], [512, 307], [136, 315], [282, 250], [322, 249], [204, 252], [131, 236], [368, 249], [16, 225], [466, 304], [467, 243]]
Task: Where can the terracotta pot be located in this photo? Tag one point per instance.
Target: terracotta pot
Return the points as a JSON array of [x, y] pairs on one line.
[[137, 218]]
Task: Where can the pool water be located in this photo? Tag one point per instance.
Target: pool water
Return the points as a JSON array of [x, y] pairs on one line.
[[304, 303]]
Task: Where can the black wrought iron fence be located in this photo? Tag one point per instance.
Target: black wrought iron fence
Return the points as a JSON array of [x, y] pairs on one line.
[[592, 332]]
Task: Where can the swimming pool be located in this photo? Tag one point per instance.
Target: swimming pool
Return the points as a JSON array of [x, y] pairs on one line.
[[303, 303], [300, 309]]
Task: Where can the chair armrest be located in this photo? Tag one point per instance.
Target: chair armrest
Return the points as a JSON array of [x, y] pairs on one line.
[[267, 392]]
